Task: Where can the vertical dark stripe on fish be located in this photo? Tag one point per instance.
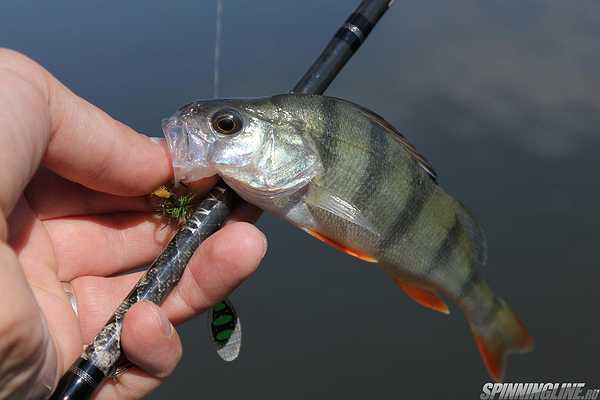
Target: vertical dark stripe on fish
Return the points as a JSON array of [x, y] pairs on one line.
[[469, 284], [491, 314], [331, 119], [373, 173], [446, 247], [408, 216]]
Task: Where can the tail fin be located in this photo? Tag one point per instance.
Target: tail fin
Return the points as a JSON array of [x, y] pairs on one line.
[[498, 335]]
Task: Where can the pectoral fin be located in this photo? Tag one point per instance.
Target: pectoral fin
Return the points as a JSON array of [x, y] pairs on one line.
[[339, 207], [424, 297], [341, 247]]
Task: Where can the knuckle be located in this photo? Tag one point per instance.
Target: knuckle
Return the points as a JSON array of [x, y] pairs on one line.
[[19, 64], [12, 56]]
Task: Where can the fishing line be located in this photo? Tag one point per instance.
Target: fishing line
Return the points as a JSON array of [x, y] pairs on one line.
[[217, 59]]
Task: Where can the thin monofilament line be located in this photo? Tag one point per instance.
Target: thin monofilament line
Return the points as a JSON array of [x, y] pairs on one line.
[[217, 65]]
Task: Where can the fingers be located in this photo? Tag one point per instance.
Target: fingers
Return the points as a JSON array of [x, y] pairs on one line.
[[52, 196], [103, 245], [221, 263], [40, 119], [107, 244], [150, 340], [89, 147], [24, 121], [27, 358]]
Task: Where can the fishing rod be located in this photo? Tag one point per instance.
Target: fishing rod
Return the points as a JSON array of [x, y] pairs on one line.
[[103, 357]]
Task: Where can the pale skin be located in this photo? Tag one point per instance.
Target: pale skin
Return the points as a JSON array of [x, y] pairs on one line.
[[73, 209]]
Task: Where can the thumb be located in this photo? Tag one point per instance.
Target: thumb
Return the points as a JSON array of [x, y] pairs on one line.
[[152, 344], [150, 341], [28, 363]]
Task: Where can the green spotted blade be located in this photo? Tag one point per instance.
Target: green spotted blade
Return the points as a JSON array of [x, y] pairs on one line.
[[225, 330]]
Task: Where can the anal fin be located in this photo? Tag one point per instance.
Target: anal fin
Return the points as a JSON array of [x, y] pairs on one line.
[[338, 246], [424, 297]]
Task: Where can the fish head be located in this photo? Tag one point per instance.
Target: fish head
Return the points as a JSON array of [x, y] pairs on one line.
[[253, 145]]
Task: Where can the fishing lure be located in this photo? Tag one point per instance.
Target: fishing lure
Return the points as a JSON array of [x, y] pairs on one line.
[[347, 177], [225, 328], [176, 207]]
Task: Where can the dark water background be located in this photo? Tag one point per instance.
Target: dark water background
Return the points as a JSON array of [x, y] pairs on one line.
[[502, 97]]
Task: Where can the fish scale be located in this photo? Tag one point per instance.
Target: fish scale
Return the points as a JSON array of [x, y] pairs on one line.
[[372, 174], [343, 173]]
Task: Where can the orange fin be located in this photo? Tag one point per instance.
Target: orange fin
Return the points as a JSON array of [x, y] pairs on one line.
[[493, 360], [424, 297], [506, 334], [341, 247]]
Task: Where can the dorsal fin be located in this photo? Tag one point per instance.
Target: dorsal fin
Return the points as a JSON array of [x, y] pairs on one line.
[[409, 147]]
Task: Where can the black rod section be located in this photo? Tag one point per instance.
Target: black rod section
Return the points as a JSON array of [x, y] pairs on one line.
[[103, 356], [342, 47]]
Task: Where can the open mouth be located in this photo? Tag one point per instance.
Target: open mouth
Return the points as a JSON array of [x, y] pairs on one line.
[[188, 151], [174, 131]]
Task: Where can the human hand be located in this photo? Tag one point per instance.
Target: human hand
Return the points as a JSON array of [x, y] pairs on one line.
[[73, 215]]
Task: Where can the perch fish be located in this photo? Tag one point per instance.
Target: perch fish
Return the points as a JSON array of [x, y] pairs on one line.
[[346, 176]]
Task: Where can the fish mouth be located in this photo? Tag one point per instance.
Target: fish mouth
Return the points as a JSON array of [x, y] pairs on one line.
[[188, 151]]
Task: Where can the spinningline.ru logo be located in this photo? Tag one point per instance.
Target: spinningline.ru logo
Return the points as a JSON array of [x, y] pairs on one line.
[[538, 391]]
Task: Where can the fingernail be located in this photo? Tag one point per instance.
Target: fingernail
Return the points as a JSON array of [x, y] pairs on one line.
[[155, 139], [165, 325], [68, 288], [265, 245]]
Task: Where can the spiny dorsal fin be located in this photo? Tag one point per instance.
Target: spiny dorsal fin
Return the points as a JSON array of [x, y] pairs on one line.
[[409, 147]]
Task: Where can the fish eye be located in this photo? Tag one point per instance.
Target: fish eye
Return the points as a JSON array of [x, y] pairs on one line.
[[226, 122]]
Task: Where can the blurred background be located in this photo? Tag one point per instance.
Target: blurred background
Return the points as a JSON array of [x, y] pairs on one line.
[[502, 97]]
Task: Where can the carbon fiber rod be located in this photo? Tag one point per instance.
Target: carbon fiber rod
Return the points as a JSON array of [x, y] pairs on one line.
[[103, 356]]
